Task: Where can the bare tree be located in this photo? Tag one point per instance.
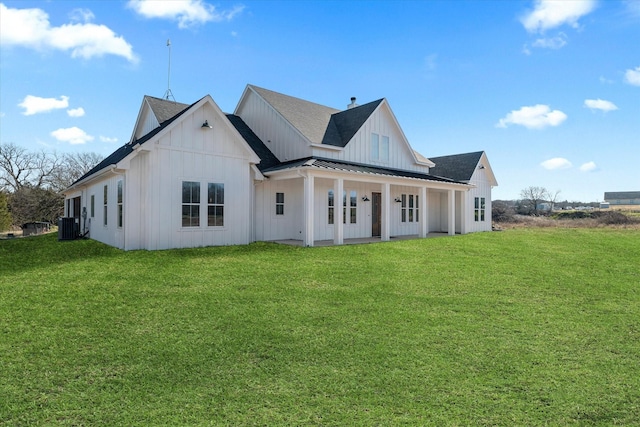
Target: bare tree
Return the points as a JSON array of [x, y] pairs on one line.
[[20, 167], [72, 167], [534, 196], [33, 181], [553, 198]]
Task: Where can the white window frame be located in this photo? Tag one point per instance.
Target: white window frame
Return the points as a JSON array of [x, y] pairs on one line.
[[215, 201]]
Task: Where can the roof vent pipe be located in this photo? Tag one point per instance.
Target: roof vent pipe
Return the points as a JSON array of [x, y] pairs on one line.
[[353, 103]]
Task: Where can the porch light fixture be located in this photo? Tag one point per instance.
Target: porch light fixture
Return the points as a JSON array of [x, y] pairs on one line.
[[206, 125], [365, 199], [398, 200]]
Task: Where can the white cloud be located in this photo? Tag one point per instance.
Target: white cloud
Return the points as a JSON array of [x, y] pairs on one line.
[[34, 104], [556, 163], [600, 104], [632, 76], [73, 135], [107, 139], [30, 28], [551, 42], [186, 12], [588, 167], [535, 117], [548, 14], [81, 15], [76, 112]]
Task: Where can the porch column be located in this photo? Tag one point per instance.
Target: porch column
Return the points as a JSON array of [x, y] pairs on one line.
[[452, 212], [385, 234], [308, 220], [424, 215], [463, 212], [338, 225]]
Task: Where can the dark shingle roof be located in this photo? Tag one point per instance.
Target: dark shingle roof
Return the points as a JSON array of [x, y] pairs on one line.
[[459, 167], [343, 125], [164, 109], [309, 118], [267, 158], [319, 162], [621, 195]]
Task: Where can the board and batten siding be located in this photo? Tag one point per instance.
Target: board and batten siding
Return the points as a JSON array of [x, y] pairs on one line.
[[190, 153], [358, 150], [269, 225], [149, 122], [276, 133], [483, 189], [109, 234]]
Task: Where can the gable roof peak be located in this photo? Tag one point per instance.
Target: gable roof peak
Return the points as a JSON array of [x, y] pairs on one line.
[[164, 109]]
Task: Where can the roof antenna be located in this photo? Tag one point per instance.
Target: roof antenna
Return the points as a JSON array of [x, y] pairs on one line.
[[168, 94]]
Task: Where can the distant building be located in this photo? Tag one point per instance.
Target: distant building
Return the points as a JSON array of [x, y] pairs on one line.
[[622, 197]]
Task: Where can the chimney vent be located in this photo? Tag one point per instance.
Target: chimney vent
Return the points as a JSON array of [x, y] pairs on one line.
[[353, 103]]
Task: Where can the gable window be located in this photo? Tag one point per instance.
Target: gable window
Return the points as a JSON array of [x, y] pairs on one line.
[[479, 208], [330, 203], [190, 204], [379, 147], [215, 205], [279, 203], [119, 202], [105, 191], [93, 205]]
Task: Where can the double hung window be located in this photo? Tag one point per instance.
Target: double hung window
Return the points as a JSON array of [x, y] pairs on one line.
[[479, 208], [190, 204], [279, 203], [120, 204], [215, 202]]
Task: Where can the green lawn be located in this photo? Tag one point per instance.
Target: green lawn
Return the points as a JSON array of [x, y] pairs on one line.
[[521, 327]]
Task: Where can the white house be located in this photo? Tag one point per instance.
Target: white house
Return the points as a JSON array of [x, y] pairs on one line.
[[279, 168]]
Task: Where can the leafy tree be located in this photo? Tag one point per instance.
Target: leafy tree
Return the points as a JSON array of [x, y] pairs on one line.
[[30, 204], [5, 216]]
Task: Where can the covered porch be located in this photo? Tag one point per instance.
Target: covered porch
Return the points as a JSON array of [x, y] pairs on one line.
[[335, 204]]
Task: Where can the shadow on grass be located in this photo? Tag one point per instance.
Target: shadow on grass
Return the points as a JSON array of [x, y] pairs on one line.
[[33, 252], [20, 255]]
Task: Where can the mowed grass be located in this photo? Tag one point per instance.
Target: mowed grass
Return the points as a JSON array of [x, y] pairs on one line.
[[521, 327]]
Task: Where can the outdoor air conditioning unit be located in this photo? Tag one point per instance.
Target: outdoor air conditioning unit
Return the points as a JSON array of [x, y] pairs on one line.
[[67, 229]]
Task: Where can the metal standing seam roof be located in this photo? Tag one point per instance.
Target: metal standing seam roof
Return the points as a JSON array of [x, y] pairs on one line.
[[321, 163], [620, 195]]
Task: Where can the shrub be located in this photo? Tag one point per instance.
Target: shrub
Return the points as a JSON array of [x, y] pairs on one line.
[[611, 217]]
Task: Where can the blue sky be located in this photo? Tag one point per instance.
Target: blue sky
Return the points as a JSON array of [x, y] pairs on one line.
[[549, 89]]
